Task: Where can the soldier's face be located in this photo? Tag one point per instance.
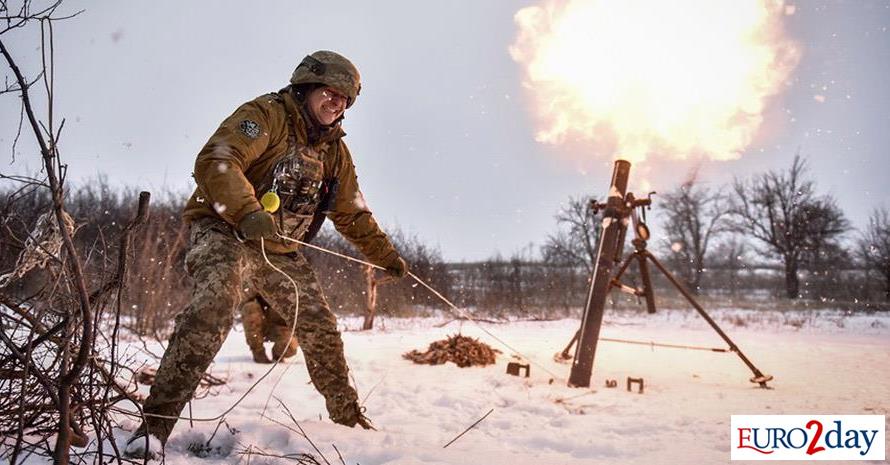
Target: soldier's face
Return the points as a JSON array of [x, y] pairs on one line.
[[326, 104]]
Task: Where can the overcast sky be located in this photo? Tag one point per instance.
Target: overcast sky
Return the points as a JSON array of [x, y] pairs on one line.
[[443, 133]]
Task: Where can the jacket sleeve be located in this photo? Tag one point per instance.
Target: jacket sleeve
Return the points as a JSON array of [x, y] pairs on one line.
[[220, 166], [353, 219]]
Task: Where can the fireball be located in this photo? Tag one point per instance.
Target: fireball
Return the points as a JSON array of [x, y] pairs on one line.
[[676, 78]]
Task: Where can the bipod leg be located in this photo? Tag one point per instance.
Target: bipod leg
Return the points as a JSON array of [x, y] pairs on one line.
[[565, 352], [616, 280], [647, 281], [759, 377]]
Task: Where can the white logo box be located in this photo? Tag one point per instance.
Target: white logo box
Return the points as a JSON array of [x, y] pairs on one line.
[[807, 437]]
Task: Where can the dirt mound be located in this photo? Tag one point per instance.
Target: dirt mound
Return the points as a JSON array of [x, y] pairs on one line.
[[463, 351]]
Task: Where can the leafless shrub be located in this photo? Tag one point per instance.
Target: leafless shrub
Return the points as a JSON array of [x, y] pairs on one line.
[[344, 282], [60, 369], [159, 286], [738, 321], [796, 321]]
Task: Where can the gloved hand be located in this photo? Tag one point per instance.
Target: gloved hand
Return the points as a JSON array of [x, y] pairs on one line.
[[258, 224], [397, 268]]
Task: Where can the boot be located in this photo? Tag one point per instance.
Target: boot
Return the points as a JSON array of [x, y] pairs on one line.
[[253, 320], [259, 355], [286, 347]]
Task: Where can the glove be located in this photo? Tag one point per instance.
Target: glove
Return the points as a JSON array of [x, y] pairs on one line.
[[397, 268], [258, 224]]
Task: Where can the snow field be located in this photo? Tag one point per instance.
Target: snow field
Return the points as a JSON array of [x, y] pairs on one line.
[[682, 417]]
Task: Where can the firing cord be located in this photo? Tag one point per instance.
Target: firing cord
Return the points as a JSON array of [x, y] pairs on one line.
[[460, 312], [662, 344]]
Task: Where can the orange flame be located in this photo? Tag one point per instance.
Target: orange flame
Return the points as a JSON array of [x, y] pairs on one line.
[[681, 78]]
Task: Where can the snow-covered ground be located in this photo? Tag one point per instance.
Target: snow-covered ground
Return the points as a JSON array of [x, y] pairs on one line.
[[823, 363]]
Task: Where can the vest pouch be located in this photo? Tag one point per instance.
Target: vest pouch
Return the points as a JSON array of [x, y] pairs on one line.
[[298, 180], [293, 225]]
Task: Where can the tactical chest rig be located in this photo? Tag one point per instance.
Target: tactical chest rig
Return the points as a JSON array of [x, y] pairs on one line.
[[298, 182]]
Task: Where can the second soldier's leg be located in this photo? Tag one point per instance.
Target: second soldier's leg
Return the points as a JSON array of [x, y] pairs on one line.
[[285, 342], [281, 333], [215, 262], [254, 321], [316, 331]]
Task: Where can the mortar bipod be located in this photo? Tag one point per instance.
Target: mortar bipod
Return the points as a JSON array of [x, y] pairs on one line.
[[636, 208]]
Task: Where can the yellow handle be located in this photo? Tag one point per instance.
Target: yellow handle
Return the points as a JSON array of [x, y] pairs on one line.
[[270, 202]]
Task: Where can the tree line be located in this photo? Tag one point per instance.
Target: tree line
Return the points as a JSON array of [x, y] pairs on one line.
[[772, 233], [744, 234], [778, 218]]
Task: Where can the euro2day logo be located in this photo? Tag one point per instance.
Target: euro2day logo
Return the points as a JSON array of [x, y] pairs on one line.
[[807, 437]]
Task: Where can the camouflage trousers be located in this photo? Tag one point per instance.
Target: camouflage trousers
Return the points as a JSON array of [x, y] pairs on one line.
[[225, 273]]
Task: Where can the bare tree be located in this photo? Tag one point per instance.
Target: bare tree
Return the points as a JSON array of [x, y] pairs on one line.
[[694, 217], [782, 211], [574, 243], [54, 382], [371, 282], [46, 135], [874, 246]]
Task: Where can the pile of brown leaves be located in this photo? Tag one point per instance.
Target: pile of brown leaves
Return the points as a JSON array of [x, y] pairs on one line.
[[463, 351]]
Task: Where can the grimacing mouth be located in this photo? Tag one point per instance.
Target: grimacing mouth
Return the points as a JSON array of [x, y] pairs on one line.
[[332, 110]]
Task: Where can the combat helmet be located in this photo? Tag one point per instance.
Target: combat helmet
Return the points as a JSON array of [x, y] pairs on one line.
[[331, 69]]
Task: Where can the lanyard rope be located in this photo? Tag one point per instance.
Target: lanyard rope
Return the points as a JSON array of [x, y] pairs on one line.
[[459, 312]]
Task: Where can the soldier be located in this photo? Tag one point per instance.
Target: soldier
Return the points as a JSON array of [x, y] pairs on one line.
[[286, 149], [261, 323]]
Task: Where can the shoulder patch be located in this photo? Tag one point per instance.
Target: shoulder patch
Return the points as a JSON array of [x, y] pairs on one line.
[[250, 128]]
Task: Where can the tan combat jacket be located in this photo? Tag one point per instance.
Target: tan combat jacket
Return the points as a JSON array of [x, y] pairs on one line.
[[234, 167]]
